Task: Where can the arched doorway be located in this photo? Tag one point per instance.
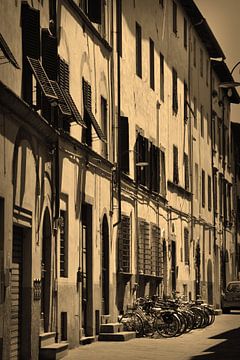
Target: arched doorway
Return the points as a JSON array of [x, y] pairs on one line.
[[46, 272], [105, 266], [210, 282]]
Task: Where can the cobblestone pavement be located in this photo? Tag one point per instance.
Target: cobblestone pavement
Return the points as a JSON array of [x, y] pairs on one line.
[[220, 341]]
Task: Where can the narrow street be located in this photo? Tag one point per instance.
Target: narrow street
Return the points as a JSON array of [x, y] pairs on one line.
[[217, 342]]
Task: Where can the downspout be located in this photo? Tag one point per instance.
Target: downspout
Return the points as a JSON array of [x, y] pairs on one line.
[[119, 50], [190, 138], [56, 218]]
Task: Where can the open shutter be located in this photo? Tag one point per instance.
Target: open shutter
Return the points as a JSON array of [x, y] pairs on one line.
[[7, 52], [73, 108], [95, 11], [42, 78], [62, 103], [63, 73]]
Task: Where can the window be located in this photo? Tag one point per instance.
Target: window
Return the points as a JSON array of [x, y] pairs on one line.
[[207, 71], [196, 181], [220, 136], [208, 128], [229, 202], [209, 193], [175, 165], [63, 244], [142, 157], [144, 263], [2, 227], [186, 246], [154, 168], [89, 118], [138, 50], [174, 92], [215, 190], [156, 252], [185, 33], [201, 62], [186, 172], [195, 111], [104, 124], [93, 9], [194, 52], [124, 245], [151, 63], [210, 242], [174, 17], [202, 120], [124, 146], [161, 77], [162, 174], [185, 102], [30, 22], [203, 188]]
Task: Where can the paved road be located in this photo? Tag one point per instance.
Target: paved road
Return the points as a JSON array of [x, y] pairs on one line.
[[220, 341]]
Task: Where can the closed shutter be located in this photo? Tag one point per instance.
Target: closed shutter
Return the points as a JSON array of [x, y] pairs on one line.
[[175, 165], [63, 74], [30, 21], [16, 294], [157, 251], [203, 188], [174, 91], [124, 245], [124, 140], [140, 248], [147, 250], [162, 173], [186, 246], [49, 54], [186, 166], [95, 11]]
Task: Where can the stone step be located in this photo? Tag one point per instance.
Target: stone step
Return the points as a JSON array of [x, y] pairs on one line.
[[85, 340], [111, 328], [218, 311], [119, 336], [54, 351], [46, 338]]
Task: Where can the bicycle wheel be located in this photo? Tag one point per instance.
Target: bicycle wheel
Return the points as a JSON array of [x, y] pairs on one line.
[[132, 322], [167, 324], [148, 325]]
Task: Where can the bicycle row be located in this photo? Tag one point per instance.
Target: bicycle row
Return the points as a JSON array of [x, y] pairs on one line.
[[171, 317]]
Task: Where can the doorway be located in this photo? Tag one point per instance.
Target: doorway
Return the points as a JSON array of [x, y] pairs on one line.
[[46, 272], [105, 266]]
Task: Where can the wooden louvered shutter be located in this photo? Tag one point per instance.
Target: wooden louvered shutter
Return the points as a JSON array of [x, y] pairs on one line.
[[124, 245], [151, 167], [63, 74], [124, 139], [140, 249], [30, 21], [95, 11], [49, 54], [186, 168], [175, 165], [186, 246]]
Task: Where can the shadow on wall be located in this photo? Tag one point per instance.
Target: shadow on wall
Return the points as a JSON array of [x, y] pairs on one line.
[[229, 348]]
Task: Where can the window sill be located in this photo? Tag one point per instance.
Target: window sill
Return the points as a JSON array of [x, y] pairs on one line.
[[124, 276], [179, 189]]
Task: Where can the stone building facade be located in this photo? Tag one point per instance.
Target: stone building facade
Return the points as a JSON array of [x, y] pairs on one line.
[[119, 175]]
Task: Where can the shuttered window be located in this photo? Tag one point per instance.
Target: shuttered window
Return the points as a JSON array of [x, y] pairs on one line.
[[89, 118], [30, 22], [161, 77], [151, 63], [157, 252], [124, 140], [104, 126], [95, 11], [162, 174], [186, 246], [174, 16], [124, 245], [215, 191], [154, 180], [209, 193], [186, 172], [174, 92], [185, 33], [175, 165], [49, 54], [203, 188], [144, 249], [221, 194], [138, 50], [142, 157], [63, 244], [185, 102]]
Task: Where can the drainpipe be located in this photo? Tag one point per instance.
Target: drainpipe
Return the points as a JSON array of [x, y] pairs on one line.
[[56, 217], [119, 50]]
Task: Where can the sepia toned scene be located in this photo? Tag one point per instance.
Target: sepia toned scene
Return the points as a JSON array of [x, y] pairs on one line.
[[119, 182]]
